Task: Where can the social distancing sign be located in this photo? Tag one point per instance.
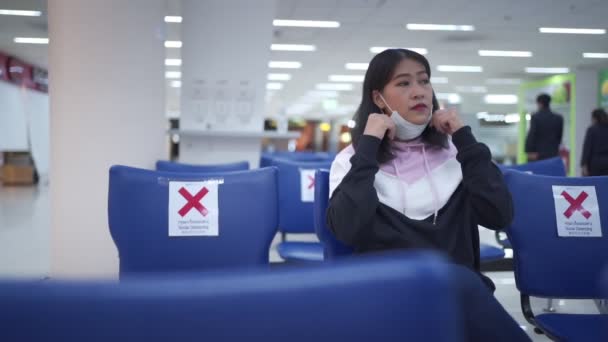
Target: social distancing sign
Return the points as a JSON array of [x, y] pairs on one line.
[[307, 185], [577, 211], [193, 208]]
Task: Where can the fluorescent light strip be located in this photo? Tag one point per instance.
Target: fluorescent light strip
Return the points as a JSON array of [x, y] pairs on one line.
[[346, 78], [20, 13], [31, 40], [378, 49], [434, 27], [595, 55], [459, 68], [274, 86], [439, 80], [173, 44], [279, 77], [292, 47], [335, 86], [500, 99], [502, 53], [173, 19], [173, 74], [322, 94], [450, 97], [571, 30], [471, 89], [356, 66], [176, 84], [284, 65], [173, 62], [306, 23], [534, 70], [503, 81], [512, 118]]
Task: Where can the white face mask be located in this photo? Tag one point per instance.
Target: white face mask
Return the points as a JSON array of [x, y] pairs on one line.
[[406, 130]]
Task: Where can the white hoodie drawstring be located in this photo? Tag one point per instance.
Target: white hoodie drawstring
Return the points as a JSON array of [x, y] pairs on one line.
[[433, 189], [427, 170]]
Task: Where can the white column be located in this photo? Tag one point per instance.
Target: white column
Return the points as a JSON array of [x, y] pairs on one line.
[[225, 54], [106, 107], [586, 101]]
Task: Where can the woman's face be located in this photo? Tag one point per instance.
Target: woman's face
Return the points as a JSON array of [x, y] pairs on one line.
[[409, 92]]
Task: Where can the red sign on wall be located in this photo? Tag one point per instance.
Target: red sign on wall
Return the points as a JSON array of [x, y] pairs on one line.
[[20, 73]]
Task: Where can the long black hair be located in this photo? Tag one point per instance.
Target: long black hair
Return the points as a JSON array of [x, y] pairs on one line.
[[378, 75]]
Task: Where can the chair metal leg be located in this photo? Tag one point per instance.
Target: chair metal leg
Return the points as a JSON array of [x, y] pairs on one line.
[[550, 307]]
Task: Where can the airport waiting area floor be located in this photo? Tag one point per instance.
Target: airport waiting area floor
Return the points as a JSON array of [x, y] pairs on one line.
[[25, 236]]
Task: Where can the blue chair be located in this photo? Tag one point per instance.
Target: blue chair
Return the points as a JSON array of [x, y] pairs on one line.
[[139, 218], [267, 158], [332, 248], [547, 167], [489, 253], [296, 211], [163, 165], [388, 298], [550, 266]]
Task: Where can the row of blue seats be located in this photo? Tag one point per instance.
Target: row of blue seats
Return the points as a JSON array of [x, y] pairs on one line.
[[400, 297], [236, 303], [297, 215], [553, 167]]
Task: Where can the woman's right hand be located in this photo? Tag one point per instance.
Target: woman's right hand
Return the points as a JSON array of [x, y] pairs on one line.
[[378, 125]]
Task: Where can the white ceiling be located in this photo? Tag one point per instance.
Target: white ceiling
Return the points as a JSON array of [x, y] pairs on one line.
[[500, 25]]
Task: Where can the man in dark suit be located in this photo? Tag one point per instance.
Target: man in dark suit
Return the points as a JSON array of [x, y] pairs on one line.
[[546, 129]]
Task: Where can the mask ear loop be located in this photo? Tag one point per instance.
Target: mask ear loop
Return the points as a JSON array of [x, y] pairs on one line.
[[383, 100]]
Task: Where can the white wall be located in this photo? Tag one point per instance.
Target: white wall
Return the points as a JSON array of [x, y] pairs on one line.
[[13, 120], [37, 109], [224, 65], [25, 112]]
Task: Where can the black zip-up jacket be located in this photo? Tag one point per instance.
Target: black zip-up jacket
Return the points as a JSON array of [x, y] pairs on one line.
[[357, 217]]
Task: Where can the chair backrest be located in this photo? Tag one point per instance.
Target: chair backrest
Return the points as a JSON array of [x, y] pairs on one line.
[[547, 167], [296, 194], [267, 158], [164, 165], [372, 299], [332, 248], [142, 216], [549, 265]]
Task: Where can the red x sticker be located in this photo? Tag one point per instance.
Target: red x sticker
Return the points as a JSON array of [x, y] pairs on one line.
[[312, 182], [576, 204], [194, 202]]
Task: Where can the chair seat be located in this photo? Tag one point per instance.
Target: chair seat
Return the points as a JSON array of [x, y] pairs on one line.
[[575, 327], [300, 251], [490, 253]]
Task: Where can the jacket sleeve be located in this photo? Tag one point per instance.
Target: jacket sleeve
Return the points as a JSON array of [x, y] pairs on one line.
[[587, 149], [353, 204], [531, 138], [561, 129], [483, 181]]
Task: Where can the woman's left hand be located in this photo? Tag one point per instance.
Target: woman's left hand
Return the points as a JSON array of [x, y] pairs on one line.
[[446, 121]]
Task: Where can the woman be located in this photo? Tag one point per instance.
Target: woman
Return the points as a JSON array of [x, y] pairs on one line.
[[595, 147], [415, 177]]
